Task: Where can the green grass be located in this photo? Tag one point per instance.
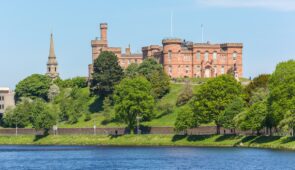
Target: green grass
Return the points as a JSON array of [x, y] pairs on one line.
[[155, 140], [160, 119]]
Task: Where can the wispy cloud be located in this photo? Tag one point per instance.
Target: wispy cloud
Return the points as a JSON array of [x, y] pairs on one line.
[[279, 5]]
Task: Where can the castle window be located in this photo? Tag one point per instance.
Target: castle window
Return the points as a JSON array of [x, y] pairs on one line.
[[214, 55], [170, 70], [206, 56], [198, 55], [187, 58], [135, 60], [48, 69], [235, 55], [187, 69], [222, 69], [128, 62], [169, 55], [55, 68]]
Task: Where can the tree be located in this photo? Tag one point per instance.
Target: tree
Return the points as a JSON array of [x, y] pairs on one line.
[[185, 95], [132, 70], [160, 84], [254, 118], [231, 111], [41, 116], [132, 98], [213, 97], [76, 82], [18, 116], [53, 92], [107, 103], [106, 74], [34, 86], [281, 92], [185, 119], [148, 66], [259, 83], [288, 122], [155, 74]]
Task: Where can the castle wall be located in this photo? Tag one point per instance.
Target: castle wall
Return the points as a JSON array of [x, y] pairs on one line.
[[179, 58]]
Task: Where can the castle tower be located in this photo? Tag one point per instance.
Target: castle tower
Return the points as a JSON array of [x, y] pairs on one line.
[[52, 64]]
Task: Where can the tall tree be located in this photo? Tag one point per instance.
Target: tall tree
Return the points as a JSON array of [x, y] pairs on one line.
[[213, 97], [34, 86], [155, 74], [132, 70], [282, 92], [185, 119], [106, 74], [231, 111], [41, 116], [254, 118], [132, 98]]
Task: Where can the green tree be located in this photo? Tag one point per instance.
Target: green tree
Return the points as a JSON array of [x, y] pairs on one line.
[[107, 108], [254, 118], [281, 92], [231, 111], [148, 66], [132, 98], [155, 74], [160, 84], [76, 82], [185, 119], [106, 74], [53, 92], [185, 95], [288, 122], [213, 97], [41, 116], [18, 116], [132, 70], [258, 84], [34, 86]]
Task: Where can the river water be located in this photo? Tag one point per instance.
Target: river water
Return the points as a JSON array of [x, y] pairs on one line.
[[92, 157]]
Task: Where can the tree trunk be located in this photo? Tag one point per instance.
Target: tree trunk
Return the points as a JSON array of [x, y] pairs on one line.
[[218, 129]]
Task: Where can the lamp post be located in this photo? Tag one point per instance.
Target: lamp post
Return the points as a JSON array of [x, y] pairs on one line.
[[137, 120]]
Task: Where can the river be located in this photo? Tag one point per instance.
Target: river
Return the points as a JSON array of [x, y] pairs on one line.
[[96, 157]]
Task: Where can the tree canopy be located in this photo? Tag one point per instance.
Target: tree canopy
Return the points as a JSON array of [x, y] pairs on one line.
[[106, 74], [133, 98], [34, 86], [213, 97]]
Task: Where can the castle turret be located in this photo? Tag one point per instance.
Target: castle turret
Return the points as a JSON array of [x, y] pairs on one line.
[[52, 65], [171, 54], [103, 31]]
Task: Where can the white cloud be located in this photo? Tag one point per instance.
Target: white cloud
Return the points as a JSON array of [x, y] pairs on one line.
[[279, 5]]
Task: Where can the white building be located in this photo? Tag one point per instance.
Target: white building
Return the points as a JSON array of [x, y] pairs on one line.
[[6, 99]]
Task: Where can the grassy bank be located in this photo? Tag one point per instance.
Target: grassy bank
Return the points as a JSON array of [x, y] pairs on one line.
[[155, 140]]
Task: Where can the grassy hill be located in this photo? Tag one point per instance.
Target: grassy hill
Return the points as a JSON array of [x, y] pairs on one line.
[[162, 118]]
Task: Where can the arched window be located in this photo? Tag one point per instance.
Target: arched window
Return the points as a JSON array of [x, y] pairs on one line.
[[235, 55], [206, 56], [214, 55]]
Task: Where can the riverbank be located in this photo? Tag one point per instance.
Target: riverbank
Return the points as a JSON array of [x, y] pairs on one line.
[[155, 140]]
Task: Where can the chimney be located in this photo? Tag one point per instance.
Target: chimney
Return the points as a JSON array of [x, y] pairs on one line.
[[128, 51], [103, 31]]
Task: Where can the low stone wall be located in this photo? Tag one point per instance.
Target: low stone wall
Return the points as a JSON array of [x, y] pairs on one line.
[[204, 130]]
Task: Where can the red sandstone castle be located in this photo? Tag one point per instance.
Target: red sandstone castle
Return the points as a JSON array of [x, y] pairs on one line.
[[179, 58]]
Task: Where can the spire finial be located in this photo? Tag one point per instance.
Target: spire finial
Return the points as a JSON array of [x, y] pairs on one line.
[[51, 50]]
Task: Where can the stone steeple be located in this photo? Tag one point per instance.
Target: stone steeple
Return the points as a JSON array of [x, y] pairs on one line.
[[52, 65]]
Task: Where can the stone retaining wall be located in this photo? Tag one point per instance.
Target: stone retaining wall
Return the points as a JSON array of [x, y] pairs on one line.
[[204, 130]]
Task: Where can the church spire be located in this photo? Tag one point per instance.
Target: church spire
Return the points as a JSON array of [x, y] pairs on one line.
[[52, 64], [51, 50]]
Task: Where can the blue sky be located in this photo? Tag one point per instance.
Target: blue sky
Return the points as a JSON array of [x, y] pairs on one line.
[[266, 27]]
